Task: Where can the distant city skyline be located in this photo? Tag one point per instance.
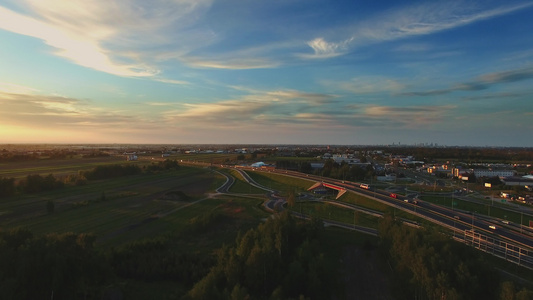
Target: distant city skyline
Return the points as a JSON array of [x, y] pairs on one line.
[[456, 73]]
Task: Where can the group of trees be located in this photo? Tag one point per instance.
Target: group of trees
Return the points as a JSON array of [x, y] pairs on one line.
[[68, 266], [30, 184], [280, 259], [35, 183], [331, 169], [111, 171], [157, 260], [6, 156], [345, 171], [429, 265], [167, 164], [117, 170], [55, 266]]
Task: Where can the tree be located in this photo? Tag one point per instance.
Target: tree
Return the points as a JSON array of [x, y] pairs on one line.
[[507, 291], [7, 187], [50, 206], [291, 198]]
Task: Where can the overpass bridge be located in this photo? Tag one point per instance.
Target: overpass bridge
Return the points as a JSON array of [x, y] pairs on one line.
[[325, 186]]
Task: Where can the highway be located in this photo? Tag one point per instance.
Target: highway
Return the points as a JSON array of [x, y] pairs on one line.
[[452, 219], [505, 240]]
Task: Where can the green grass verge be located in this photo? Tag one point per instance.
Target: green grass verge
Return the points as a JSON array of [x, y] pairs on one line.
[[281, 182], [241, 186], [327, 211], [497, 210]]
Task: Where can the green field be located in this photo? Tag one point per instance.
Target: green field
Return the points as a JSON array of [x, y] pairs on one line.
[[125, 209], [241, 186], [181, 207], [58, 167], [281, 183]]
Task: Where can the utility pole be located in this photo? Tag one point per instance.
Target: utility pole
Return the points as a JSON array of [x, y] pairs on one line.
[[521, 219]]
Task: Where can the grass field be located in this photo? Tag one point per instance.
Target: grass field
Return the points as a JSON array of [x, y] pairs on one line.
[[281, 183], [489, 209], [327, 211], [241, 186], [125, 209], [58, 167]]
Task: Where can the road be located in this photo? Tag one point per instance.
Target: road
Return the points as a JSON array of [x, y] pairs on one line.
[[437, 214], [460, 222]]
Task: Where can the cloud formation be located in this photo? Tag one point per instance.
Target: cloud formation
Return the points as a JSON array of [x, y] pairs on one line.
[[90, 34], [418, 19], [481, 83]]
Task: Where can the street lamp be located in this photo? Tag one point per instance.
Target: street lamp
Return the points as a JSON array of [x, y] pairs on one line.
[[521, 219]]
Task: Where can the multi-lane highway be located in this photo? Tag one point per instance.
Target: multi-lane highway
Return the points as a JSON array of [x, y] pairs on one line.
[[452, 219], [506, 240], [489, 234]]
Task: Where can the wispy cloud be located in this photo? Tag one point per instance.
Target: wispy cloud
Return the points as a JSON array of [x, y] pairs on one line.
[[106, 36], [323, 49], [501, 96], [232, 63], [61, 113], [366, 85], [420, 19], [11, 88], [481, 83], [286, 108], [173, 81]]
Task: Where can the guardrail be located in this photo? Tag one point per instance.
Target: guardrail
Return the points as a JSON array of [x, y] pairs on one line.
[[512, 253]]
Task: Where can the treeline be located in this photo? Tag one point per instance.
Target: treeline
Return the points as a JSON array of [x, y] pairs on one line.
[[67, 266], [35, 183], [343, 171], [55, 266], [6, 156], [31, 184], [280, 259], [156, 260], [111, 171], [429, 265]]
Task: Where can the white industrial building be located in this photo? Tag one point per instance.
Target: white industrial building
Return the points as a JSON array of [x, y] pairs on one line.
[[493, 173]]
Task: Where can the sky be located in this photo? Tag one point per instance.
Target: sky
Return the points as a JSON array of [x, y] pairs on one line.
[[346, 72]]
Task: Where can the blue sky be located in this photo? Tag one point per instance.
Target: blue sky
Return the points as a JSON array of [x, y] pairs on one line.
[[266, 72]]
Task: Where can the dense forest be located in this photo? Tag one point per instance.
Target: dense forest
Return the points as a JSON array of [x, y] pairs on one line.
[[429, 265], [282, 258]]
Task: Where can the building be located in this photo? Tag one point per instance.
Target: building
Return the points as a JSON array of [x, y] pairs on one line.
[[520, 181], [493, 173]]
